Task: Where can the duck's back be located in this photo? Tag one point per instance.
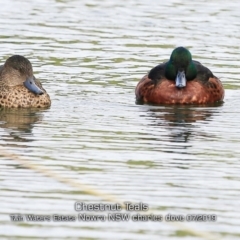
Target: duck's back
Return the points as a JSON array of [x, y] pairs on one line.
[[21, 97]]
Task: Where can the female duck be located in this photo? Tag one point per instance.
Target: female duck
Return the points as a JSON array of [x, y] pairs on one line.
[[18, 86], [181, 80]]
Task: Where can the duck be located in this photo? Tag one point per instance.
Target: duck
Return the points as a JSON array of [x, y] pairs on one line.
[[18, 86], [180, 80]]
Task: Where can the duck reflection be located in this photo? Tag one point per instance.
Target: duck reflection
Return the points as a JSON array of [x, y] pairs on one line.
[[17, 124], [179, 120]]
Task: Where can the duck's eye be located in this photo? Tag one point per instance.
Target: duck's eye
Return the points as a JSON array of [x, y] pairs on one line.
[[20, 69]]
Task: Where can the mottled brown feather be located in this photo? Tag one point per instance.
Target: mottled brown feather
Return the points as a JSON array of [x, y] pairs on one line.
[[13, 94]]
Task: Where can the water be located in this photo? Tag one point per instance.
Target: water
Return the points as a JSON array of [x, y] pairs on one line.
[[89, 56]]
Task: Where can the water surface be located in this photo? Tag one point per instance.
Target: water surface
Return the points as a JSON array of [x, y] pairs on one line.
[[89, 56]]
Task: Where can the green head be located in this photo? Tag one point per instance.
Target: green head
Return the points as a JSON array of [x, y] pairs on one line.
[[180, 67]]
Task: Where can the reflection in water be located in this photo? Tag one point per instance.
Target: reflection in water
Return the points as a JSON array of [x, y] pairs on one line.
[[179, 120], [18, 123]]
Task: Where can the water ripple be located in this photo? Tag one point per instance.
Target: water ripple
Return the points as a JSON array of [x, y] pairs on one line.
[[90, 56]]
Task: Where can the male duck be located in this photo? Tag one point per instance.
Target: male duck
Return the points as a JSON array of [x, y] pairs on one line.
[[181, 80], [18, 86]]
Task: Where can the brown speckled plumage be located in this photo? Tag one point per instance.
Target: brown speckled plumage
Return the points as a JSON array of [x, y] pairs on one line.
[[13, 93]]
